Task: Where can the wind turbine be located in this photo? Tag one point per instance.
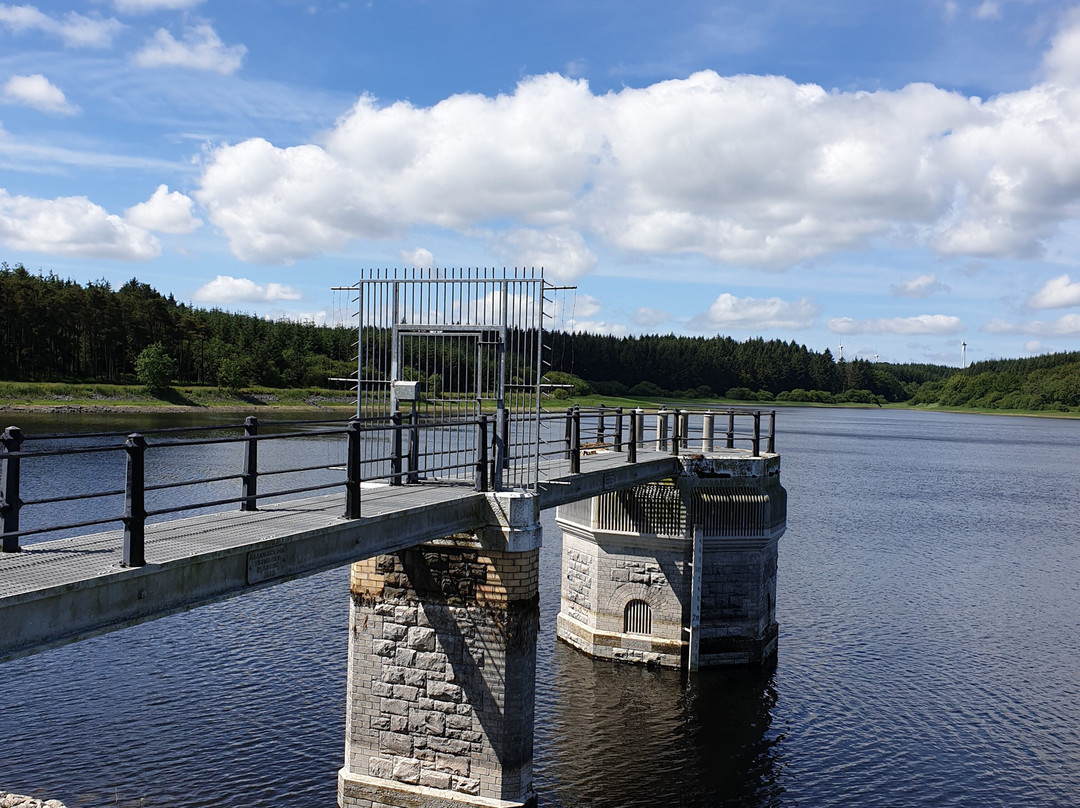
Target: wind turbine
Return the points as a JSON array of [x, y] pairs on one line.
[[841, 352], [963, 354]]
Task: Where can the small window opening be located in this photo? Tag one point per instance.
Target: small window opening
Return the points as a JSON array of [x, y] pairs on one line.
[[637, 619]]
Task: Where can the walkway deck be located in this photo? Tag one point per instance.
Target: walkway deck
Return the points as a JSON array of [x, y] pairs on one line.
[[59, 591]]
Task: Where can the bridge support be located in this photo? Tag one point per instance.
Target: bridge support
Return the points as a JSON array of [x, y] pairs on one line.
[[442, 663], [630, 590]]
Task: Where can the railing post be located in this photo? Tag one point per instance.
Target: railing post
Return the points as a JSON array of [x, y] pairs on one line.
[[135, 502], [395, 448], [575, 442], [757, 433], [639, 418], [413, 475], [772, 432], [707, 428], [731, 429], [618, 429], [502, 444], [601, 428], [631, 446], [661, 431], [352, 471], [676, 429], [684, 428], [9, 488], [250, 476], [569, 431], [482, 453]]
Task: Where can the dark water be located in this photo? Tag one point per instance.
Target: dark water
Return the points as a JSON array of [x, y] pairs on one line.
[[929, 608]]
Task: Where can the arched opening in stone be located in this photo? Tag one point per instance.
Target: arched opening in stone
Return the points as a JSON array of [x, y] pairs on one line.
[[637, 618]]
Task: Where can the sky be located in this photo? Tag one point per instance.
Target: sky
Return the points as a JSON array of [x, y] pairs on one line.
[[887, 179]]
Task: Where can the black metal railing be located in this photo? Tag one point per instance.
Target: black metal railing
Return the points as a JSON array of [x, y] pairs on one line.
[[564, 439]]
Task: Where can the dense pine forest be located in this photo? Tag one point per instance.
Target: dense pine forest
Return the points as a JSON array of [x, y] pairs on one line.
[[55, 329]]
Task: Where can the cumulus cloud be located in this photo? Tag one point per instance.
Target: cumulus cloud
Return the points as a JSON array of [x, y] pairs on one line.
[[650, 318], [921, 286], [146, 6], [1067, 325], [419, 257], [165, 212], [751, 171], [560, 251], [73, 226], [38, 92], [747, 313], [599, 327], [200, 49], [1058, 293], [940, 324], [227, 289], [76, 30]]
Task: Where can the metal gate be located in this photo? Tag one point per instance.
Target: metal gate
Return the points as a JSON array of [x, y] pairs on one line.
[[440, 348]]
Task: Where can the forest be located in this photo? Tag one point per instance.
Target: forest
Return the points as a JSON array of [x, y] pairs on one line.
[[56, 329]]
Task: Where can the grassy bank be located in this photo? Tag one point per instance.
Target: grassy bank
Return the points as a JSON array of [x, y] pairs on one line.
[[108, 397], [104, 397]]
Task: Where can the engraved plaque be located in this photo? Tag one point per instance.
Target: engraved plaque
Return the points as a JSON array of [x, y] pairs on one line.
[[263, 565], [609, 480]]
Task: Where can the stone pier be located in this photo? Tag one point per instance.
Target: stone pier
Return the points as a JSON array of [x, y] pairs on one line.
[[442, 665], [629, 591]]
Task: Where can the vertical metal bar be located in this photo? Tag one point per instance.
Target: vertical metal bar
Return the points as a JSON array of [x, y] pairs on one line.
[[631, 446], [661, 430], [395, 450], [757, 433], [639, 430], [618, 429], [135, 502], [9, 488], [569, 437], [250, 477], [575, 442], [481, 453], [413, 475], [352, 471], [772, 432], [676, 431], [707, 431], [694, 640], [731, 429], [601, 429]]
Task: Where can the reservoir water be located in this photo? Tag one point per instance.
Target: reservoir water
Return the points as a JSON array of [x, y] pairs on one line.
[[929, 609]]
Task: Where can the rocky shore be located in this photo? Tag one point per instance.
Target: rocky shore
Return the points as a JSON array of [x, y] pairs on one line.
[[9, 800]]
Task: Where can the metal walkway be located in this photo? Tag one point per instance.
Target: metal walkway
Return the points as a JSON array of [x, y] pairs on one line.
[[55, 592]]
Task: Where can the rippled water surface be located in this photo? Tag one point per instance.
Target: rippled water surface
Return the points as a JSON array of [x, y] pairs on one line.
[[929, 608]]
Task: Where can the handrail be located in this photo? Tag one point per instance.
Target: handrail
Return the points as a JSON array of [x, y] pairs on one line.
[[585, 429]]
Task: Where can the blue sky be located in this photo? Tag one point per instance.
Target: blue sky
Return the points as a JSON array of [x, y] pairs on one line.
[[892, 177]]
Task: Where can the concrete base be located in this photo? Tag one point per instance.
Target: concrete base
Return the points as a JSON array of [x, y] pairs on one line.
[[358, 791], [620, 647]]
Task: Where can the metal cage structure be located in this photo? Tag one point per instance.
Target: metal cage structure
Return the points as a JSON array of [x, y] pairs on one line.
[[438, 351]]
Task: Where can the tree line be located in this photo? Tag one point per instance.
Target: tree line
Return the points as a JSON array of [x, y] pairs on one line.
[[55, 329]]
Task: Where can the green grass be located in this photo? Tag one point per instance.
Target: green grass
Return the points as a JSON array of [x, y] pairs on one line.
[[119, 395]]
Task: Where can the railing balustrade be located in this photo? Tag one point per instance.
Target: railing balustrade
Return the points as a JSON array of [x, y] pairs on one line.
[[481, 460]]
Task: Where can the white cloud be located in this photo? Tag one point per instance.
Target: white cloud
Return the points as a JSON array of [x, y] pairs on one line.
[[940, 324], [164, 212], [200, 49], [560, 251], [73, 226], [419, 257], [227, 289], [600, 327], [1067, 325], [747, 313], [1057, 293], [750, 171], [988, 10], [76, 30], [1061, 63], [918, 287], [38, 92], [146, 6], [650, 318], [1033, 346]]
